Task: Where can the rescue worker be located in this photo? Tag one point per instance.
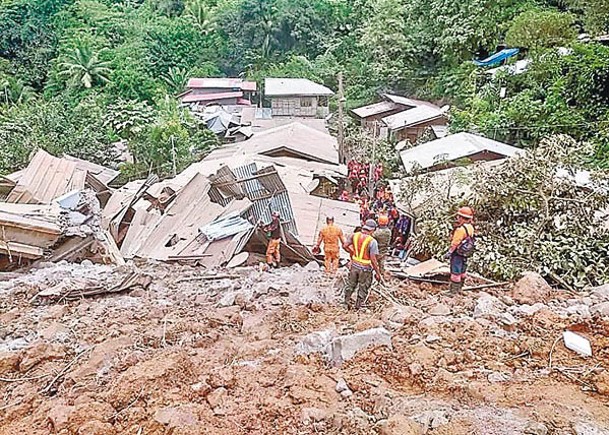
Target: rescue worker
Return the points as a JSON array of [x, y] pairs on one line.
[[364, 251], [383, 237], [330, 235], [458, 261], [273, 256]]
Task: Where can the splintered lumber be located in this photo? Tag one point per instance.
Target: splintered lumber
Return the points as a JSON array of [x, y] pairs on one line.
[[14, 249], [208, 278]]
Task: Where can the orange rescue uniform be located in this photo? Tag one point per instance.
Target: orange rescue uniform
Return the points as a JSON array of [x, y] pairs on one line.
[[331, 235]]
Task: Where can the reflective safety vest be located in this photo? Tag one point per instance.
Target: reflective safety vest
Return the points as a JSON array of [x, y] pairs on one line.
[[361, 254]]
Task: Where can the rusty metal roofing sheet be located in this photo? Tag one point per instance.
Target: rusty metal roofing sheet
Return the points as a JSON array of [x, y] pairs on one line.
[[103, 174]]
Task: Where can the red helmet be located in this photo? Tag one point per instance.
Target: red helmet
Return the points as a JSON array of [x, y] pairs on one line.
[[465, 212]]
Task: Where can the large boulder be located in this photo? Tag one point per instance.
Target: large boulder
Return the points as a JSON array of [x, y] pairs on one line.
[[601, 292], [345, 347], [601, 309], [531, 288], [489, 307]]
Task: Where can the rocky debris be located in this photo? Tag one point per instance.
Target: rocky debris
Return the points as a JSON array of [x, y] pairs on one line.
[[395, 317], [400, 425], [9, 362], [310, 415], [216, 399], [343, 389], [432, 419], [586, 428], [439, 310], [497, 377], [39, 353], [315, 342], [535, 428], [344, 347], [581, 310], [177, 416], [601, 309], [601, 292], [489, 307], [432, 338], [526, 309], [531, 288]]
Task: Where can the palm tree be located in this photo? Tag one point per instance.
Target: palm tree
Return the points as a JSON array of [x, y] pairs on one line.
[[176, 79], [14, 91], [201, 16], [84, 68]]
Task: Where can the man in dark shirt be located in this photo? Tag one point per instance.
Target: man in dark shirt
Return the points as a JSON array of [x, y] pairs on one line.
[[273, 256]]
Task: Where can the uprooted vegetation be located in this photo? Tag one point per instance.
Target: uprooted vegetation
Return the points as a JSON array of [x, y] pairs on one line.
[[539, 211]]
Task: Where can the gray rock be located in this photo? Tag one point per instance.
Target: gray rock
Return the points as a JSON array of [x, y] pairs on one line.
[[433, 320], [527, 310], [489, 307], [440, 310], [507, 319], [346, 394], [312, 266], [579, 309], [343, 348], [601, 292], [432, 338], [341, 385], [601, 309], [585, 428], [315, 342], [432, 419], [310, 415], [534, 428], [497, 377], [227, 300]]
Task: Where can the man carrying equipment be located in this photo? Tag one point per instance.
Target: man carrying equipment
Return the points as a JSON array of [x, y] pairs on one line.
[[461, 247]]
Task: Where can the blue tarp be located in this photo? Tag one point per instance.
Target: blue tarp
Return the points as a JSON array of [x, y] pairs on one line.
[[498, 57]]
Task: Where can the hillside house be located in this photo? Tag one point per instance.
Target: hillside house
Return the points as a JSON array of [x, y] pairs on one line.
[[412, 123], [222, 91], [450, 150], [371, 116], [297, 97]]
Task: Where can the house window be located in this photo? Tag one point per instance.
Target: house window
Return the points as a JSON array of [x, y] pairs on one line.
[[305, 102], [323, 101]]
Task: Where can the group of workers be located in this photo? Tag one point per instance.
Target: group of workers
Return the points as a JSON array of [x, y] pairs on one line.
[[368, 248]]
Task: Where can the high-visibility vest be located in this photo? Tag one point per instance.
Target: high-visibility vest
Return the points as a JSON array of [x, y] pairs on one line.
[[361, 254]]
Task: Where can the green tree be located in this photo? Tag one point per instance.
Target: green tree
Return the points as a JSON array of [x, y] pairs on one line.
[[541, 28], [84, 68]]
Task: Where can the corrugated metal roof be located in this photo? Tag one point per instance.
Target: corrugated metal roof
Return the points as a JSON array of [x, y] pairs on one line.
[[408, 102], [193, 98], [453, 147], [278, 87], [412, 117], [46, 178], [293, 139], [103, 174], [221, 83], [374, 109]]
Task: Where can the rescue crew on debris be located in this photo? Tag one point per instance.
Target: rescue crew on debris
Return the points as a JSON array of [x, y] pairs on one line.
[[383, 237], [330, 236], [364, 251], [273, 256], [461, 247]]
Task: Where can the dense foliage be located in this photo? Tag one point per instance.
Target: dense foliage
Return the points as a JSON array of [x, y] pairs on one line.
[[541, 211], [67, 66]]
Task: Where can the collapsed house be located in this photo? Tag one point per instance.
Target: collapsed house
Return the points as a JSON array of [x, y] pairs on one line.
[[51, 210], [213, 210]]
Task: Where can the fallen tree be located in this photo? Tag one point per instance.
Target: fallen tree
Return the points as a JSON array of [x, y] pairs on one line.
[[542, 211]]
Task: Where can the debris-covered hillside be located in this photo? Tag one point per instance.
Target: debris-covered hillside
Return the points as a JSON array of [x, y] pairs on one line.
[[242, 351]]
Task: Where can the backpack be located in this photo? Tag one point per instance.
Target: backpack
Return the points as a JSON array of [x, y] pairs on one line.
[[467, 246]]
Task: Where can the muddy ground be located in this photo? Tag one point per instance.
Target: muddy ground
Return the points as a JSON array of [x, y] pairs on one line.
[[237, 356]]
